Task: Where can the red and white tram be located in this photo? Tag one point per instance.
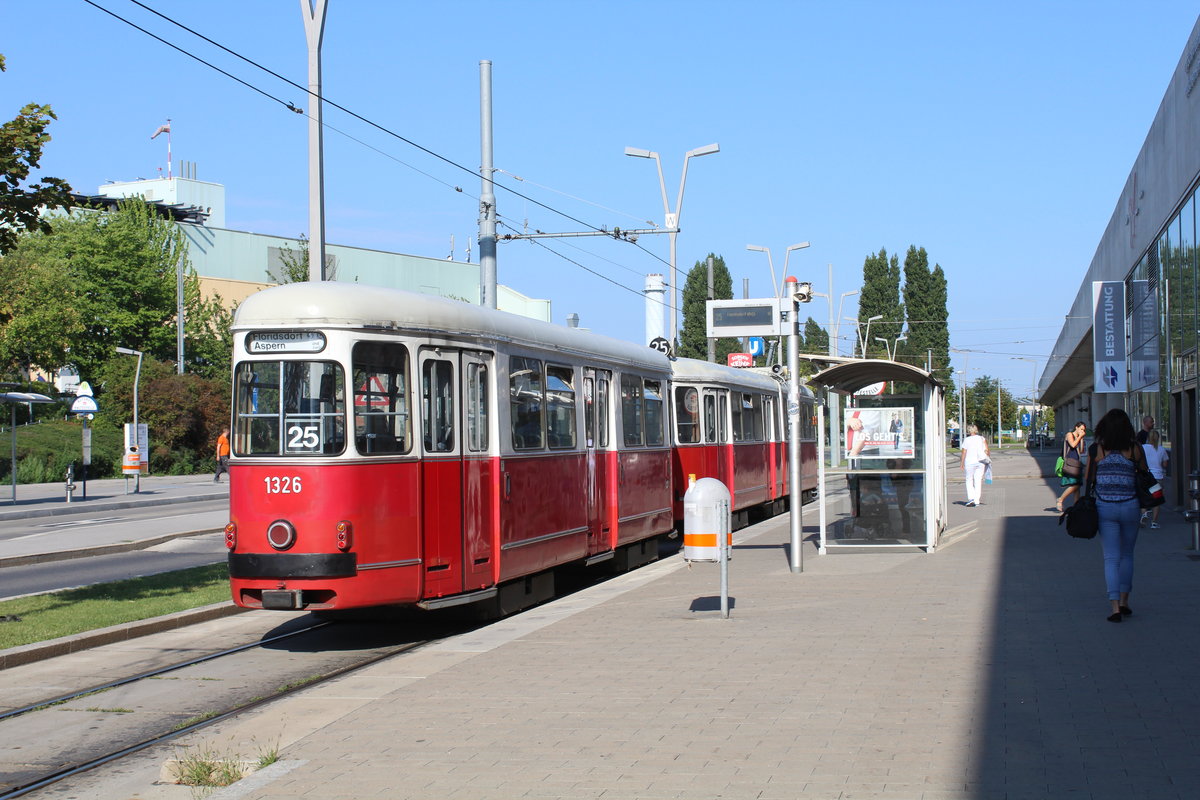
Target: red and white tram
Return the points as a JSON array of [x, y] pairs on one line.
[[392, 448], [729, 425]]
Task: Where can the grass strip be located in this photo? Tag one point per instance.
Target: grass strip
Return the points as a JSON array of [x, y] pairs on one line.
[[37, 618]]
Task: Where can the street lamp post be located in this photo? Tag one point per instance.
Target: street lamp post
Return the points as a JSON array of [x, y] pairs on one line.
[[891, 351], [1032, 395], [137, 376], [832, 400], [671, 219], [777, 288]]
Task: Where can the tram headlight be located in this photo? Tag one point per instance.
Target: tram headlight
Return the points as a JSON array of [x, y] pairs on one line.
[[345, 535], [230, 536], [281, 534]]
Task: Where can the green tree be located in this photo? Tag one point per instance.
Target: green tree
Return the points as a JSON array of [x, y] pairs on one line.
[[880, 297], [692, 340], [40, 315], [981, 405], [183, 413], [293, 266], [21, 142], [927, 314], [120, 278], [815, 339]]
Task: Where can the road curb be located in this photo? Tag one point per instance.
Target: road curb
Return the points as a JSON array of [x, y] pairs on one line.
[[92, 506], [97, 550], [39, 651]]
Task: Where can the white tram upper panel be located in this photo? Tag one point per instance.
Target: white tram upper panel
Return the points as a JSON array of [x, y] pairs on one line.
[[690, 370], [331, 304]]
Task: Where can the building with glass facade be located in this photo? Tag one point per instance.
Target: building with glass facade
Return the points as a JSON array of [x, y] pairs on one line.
[[1148, 248]]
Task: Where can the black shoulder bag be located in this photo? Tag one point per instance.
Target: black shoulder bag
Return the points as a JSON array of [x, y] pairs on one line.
[[1082, 519], [1149, 490]]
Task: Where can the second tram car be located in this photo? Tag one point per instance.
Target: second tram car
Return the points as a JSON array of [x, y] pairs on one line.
[[393, 448]]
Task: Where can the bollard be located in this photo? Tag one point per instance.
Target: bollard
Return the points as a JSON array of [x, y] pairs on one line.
[[708, 528], [70, 481]]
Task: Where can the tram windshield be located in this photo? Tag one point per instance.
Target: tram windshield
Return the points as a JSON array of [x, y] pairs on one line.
[[289, 408]]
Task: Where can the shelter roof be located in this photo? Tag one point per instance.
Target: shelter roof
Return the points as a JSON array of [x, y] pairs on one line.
[[851, 375]]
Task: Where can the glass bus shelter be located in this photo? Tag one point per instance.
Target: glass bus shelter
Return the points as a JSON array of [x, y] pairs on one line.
[[888, 488]]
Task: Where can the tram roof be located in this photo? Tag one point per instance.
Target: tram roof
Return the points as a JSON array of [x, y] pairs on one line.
[[691, 369], [355, 306]]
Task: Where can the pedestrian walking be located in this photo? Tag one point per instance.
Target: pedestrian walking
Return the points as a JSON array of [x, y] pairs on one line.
[[1157, 459], [1073, 448], [222, 455], [1144, 434], [1112, 462], [975, 459]]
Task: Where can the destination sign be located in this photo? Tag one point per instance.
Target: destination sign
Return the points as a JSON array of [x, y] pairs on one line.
[[743, 317], [261, 342]]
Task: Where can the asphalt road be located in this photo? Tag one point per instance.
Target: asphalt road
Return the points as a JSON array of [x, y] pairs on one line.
[[128, 524]]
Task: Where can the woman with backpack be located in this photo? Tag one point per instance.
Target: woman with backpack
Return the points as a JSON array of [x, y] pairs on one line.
[[1113, 460]]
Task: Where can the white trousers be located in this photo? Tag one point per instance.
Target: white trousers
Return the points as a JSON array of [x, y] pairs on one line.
[[974, 473]]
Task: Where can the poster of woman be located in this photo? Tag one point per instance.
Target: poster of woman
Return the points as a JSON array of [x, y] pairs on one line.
[[878, 433]]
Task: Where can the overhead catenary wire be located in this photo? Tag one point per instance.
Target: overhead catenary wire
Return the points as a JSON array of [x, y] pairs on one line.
[[314, 96], [292, 107]]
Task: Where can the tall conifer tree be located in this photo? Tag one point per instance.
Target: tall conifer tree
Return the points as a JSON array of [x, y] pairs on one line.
[[880, 297], [692, 340]]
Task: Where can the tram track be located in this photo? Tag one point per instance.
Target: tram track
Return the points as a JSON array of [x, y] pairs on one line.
[[58, 737]]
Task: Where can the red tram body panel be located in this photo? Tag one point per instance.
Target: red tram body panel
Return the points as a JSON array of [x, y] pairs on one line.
[[392, 448]]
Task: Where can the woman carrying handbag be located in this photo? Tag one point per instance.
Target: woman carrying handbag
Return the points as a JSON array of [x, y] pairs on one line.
[[1113, 461], [1072, 458]]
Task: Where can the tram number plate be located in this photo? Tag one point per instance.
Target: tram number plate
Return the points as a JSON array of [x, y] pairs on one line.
[[283, 485]]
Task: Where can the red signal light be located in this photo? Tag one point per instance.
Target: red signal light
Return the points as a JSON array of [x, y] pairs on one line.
[[344, 535]]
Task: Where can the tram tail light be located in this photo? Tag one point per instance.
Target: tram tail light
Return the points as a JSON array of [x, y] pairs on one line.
[[345, 536], [230, 536]]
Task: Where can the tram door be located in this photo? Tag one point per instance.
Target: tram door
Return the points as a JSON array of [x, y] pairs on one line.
[[600, 500], [718, 454], [457, 472]]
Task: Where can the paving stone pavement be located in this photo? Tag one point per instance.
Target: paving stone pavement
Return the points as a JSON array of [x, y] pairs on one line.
[[985, 670]]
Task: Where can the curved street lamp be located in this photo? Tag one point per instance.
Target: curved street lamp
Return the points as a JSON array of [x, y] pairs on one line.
[[671, 219], [137, 376]]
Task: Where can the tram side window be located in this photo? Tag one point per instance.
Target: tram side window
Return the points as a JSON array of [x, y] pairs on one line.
[[653, 404], [710, 418], [738, 405], [477, 407], [289, 408], [382, 418], [631, 409], [526, 400], [603, 382], [437, 406], [560, 406], [752, 420], [687, 414]]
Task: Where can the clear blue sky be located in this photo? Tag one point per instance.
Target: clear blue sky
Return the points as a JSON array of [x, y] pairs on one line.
[[998, 138]]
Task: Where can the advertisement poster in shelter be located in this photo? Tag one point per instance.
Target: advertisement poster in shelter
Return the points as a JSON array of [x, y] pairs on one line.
[[878, 432]]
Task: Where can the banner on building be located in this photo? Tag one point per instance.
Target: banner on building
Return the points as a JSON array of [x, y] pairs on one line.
[[1143, 338], [1108, 337]]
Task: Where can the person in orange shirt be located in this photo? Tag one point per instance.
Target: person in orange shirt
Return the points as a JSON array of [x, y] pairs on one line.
[[222, 455]]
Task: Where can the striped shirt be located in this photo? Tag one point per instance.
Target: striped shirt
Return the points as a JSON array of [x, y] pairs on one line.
[[1114, 478]]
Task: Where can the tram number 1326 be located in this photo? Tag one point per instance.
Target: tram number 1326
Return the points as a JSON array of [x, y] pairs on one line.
[[284, 485]]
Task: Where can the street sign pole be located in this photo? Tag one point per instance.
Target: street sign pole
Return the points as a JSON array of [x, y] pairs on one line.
[[796, 557]]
